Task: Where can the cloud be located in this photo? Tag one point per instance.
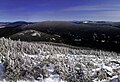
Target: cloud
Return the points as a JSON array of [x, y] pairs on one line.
[[103, 7], [108, 12], [103, 15]]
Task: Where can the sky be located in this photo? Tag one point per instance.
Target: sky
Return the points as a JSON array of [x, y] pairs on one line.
[[59, 10]]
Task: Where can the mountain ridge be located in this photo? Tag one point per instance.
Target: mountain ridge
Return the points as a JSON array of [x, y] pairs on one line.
[[95, 35]]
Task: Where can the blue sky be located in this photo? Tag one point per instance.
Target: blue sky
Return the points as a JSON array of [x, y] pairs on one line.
[[41, 10]]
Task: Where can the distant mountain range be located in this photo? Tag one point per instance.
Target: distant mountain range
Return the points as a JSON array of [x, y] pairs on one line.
[[94, 34], [18, 23]]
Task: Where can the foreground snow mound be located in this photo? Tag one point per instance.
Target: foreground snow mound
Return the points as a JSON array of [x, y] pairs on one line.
[[49, 63]]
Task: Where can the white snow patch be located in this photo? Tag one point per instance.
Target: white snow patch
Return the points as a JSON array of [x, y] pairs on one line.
[[35, 34]]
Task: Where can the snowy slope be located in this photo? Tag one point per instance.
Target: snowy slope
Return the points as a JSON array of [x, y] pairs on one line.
[[49, 63]]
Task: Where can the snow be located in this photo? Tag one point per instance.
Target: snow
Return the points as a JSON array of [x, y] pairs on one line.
[[93, 62], [85, 22], [57, 35], [34, 34], [52, 38], [2, 26], [99, 63], [21, 34], [51, 78], [102, 40]]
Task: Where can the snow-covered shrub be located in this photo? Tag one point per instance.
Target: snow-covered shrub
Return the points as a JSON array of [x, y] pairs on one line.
[[36, 61]]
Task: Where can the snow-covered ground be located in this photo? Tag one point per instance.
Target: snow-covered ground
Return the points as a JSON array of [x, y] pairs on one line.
[[49, 63], [51, 78]]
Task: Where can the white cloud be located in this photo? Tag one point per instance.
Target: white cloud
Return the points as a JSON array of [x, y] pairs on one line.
[[94, 7]]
